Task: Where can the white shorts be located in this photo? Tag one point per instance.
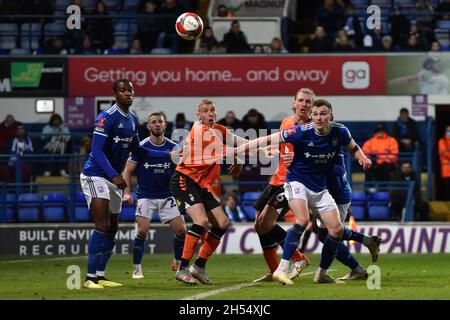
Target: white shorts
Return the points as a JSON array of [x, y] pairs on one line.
[[343, 210], [318, 202], [98, 187], [166, 208]]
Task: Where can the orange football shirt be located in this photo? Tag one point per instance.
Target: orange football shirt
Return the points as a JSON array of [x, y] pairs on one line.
[[202, 150]]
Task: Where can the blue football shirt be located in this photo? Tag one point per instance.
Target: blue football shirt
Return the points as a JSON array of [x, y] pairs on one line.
[[153, 174], [314, 153], [115, 135]]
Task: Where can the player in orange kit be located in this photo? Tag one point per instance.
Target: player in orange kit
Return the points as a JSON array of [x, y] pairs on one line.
[[272, 204], [203, 149]]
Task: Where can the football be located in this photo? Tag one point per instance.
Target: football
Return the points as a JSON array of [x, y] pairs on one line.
[[189, 26]]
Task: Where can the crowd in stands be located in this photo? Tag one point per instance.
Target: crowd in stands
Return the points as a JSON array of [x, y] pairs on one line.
[[340, 26]]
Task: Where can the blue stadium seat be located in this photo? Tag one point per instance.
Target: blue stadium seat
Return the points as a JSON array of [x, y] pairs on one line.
[[378, 198], [358, 211], [19, 51], [29, 207], [113, 51], [10, 207], [379, 212], [251, 196], [250, 212], [161, 51], [81, 208], [443, 24], [359, 198], [54, 206]]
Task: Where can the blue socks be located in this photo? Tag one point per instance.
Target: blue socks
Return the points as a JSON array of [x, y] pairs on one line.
[[108, 246], [349, 234], [178, 245], [95, 248], [345, 257], [329, 251], [138, 249], [292, 240]]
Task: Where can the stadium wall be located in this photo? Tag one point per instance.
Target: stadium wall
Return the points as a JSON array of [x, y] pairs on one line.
[[72, 239]]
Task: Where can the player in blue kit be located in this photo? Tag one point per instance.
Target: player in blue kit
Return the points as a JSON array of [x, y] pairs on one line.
[[115, 135], [315, 148], [153, 177]]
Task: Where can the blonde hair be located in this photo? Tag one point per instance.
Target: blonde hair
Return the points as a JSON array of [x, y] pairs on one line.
[[205, 102], [306, 91]]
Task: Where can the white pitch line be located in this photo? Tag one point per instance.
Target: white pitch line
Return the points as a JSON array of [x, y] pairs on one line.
[[235, 287], [43, 259]]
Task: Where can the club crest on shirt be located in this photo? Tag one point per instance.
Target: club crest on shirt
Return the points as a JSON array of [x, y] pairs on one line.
[[334, 142], [101, 122], [100, 189]]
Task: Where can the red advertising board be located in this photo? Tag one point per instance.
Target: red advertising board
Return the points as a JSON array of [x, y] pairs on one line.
[[229, 75]]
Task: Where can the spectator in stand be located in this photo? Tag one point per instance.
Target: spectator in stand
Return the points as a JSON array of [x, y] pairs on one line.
[[435, 46], [331, 17], [388, 44], [232, 209], [405, 132], [206, 42], [55, 46], [136, 47], [181, 122], [101, 29], [385, 150], [7, 132], [276, 46], [168, 37], [254, 120], [343, 43], [21, 145], [87, 47], [222, 11], [373, 40], [319, 43], [148, 24], [230, 121], [258, 49], [399, 197], [56, 137], [424, 11], [414, 44], [444, 157], [353, 27], [399, 26], [235, 40], [444, 9]]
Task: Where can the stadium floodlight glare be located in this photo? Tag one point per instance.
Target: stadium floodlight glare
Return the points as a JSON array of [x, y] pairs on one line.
[[45, 105]]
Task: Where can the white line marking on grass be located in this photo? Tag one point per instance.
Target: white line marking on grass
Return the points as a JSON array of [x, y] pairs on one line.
[[42, 259], [235, 287]]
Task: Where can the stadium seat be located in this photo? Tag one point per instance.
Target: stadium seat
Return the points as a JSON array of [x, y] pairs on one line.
[[29, 207], [19, 51], [54, 207], [359, 198], [10, 207], [378, 212], [81, 208], [251, 196], [358, 211], [378, 198], [250, 212]]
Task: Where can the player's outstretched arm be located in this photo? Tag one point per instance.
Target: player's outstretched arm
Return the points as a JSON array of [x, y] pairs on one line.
[[127, 173], [273, 139], [356, 151], [403, 80]]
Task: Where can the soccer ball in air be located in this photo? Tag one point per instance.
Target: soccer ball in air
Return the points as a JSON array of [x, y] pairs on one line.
[[189, 26]]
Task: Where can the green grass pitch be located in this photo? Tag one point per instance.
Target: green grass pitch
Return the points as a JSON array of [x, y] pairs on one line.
[[403, 276]]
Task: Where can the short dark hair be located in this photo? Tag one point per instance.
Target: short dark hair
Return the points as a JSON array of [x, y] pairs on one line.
[[117, 82], [158, 114], [53, 117], [323, 102], [403, 110]]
